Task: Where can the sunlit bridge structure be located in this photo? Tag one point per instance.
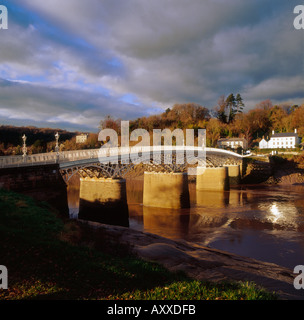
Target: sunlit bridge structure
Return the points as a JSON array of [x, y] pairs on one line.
[[116, 162], [103, 174]]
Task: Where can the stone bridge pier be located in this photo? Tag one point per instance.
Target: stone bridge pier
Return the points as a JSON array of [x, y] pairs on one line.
[[166, 190], [103, 200], [234, 174], [213, 179], [218, 178]]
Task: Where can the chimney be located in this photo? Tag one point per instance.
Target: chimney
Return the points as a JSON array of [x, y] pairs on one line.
[[272, 131], [295, 131]]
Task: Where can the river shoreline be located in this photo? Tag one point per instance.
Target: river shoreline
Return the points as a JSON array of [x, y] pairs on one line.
[[273, 170], [205, 263], [202, 263]]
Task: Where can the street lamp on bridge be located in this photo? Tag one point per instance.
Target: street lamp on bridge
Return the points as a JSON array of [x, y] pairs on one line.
[[57, 147], [24, 149]]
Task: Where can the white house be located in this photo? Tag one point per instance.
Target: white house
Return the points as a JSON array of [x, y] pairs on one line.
[[232, 143], [82, 138], [287, 140], [263, 144]]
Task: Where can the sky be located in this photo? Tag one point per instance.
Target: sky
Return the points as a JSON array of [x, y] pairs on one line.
[[69, 63]]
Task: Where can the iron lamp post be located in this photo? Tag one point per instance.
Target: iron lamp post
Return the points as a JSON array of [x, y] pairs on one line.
[[24, 149], [57, 147]]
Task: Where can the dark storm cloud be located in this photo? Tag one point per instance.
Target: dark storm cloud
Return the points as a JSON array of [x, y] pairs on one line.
[[161, 52]]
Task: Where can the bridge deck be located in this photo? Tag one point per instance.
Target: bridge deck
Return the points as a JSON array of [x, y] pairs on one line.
[[65, 158]]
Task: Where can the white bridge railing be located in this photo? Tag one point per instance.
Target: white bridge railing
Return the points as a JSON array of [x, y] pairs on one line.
[[75, 155]]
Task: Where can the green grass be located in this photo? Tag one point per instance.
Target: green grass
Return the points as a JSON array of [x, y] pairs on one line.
[[47, 258], [196, 290]]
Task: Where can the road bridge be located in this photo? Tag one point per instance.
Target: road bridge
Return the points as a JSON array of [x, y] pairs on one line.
[[105, 159], [166, 170]]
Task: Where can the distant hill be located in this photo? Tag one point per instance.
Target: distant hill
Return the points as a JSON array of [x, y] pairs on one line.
[[11, 135]]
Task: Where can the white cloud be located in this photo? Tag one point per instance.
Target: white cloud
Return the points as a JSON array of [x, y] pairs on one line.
[[277, 88], [26, 101]]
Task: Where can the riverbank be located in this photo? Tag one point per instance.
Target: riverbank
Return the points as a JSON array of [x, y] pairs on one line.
[[202, 263], [275, 170], [50, 258], [286, 171]]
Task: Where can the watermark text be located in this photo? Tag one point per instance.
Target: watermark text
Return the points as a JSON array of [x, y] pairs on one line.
[[298, 22], [3, 277], [299, 279], [163, 141], [3, 17]]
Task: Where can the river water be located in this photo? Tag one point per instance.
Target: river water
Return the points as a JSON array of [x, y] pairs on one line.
[[261, 222]]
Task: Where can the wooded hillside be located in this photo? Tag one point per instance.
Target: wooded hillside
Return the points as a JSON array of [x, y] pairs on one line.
[[227, 119]]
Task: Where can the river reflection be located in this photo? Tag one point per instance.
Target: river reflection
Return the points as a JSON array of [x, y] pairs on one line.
[[262, 222]]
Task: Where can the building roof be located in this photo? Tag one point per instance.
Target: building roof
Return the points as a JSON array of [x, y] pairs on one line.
[[231, 139], [284, 134]]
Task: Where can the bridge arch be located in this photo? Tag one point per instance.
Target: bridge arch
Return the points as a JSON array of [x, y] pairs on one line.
[[119, 165]]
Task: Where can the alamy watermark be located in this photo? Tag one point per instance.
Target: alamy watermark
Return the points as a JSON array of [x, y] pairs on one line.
[[298, 22], [3, 277], [3, 17], [299, 279], [164, 142]]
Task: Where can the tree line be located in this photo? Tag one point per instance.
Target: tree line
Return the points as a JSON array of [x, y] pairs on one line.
[[40, 140], [226, 119]]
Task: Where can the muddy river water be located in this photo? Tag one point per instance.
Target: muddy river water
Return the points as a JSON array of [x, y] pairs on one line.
[[261, 222]]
